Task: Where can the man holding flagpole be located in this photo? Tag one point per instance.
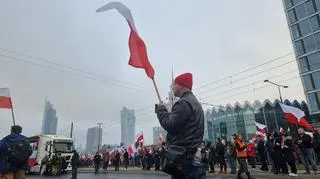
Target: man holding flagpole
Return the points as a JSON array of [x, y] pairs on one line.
[[185, 127]]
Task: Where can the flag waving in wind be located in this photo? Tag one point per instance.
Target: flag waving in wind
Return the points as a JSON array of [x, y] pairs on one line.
[[261, 128], [295, 116], [5, 99], [138, 50]]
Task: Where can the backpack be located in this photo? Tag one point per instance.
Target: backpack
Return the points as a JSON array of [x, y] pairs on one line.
[[18, 153]]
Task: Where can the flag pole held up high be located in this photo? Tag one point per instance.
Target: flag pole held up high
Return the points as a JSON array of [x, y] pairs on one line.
[[137, 47], [6, 102]]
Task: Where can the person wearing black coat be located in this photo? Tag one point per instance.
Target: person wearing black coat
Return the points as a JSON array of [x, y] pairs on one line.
[[288, 152], [316, 146], [75, 162], [157, 158], [212, 158], [261, 149], [277, 151], [220, 149]]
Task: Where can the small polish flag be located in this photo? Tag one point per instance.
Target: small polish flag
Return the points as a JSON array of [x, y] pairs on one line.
[[261, 128], [140, 137], [5, 99]]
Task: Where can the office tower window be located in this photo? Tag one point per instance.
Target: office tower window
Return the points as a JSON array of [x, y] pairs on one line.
[[310, 7], [305, 27], [304, 64], [301, 12], [316, 79], [313, 60], [295, 2], [288, 3], [300, 47], [296, 31], [313, 101], [317, 39], [309, 44], [292, 16], [308, 82], [317, 2], [315, 23]]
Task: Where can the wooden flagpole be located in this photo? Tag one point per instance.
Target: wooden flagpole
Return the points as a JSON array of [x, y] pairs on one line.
[[157, 91], [12, 113]]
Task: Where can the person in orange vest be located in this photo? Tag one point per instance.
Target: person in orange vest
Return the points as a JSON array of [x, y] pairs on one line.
[[242, 155], [252, 154]]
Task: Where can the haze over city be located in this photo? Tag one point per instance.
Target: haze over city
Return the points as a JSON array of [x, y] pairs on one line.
[[211, 39]]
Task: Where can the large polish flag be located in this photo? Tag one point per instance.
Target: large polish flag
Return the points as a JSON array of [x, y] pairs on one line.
[[5, 99], [295, 116], [137, 47], [261, 128]]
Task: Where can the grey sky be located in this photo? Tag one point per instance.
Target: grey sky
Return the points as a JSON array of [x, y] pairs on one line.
[[211, 39]]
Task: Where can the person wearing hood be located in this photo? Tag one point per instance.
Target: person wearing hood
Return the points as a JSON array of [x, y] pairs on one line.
[[15, 151]]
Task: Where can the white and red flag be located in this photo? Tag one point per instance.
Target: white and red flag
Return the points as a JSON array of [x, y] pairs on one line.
[[261, 128], [5, 99], [137, 47], [295, 116], [140, 138]]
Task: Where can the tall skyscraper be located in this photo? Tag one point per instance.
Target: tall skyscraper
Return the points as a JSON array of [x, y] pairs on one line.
[[128, 121], [157, 132], [304, 24], [94, 138], [50, 120]]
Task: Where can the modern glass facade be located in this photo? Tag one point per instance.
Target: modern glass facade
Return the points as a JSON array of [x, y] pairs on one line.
[[223, 122], [304, 23]]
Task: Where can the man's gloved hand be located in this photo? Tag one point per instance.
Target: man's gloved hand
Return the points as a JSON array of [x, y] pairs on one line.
[[159, 106]]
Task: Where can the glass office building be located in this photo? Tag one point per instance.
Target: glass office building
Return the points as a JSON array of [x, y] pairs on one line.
[[225, 121], [304, 24]]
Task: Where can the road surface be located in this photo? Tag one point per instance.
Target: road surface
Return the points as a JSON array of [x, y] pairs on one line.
[[157, 176]]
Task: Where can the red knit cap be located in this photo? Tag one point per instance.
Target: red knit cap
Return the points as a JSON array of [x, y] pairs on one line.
[[184, 80]]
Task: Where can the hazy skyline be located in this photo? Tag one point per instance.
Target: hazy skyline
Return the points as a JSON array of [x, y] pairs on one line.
[[211, 39]]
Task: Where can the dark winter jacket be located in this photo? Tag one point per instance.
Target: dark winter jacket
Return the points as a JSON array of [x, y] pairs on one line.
[[304, 141], [288, 150], [5, 167], [185, 123]]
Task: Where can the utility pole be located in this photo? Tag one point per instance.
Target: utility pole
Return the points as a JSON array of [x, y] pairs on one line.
[[99, 138], [71, 132]]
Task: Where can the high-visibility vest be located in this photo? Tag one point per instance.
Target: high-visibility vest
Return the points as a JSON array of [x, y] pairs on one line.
[[241, 153]]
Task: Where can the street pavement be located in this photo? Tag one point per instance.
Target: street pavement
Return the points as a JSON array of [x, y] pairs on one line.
[[152, 175]]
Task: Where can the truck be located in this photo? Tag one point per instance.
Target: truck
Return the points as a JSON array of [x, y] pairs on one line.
[[48, 146]]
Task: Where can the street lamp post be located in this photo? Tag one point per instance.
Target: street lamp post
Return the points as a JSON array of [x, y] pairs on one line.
[[279, 86]]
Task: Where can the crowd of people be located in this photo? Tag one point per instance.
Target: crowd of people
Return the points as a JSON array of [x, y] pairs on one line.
[[278, 151], [274, 153], [145, 157]]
